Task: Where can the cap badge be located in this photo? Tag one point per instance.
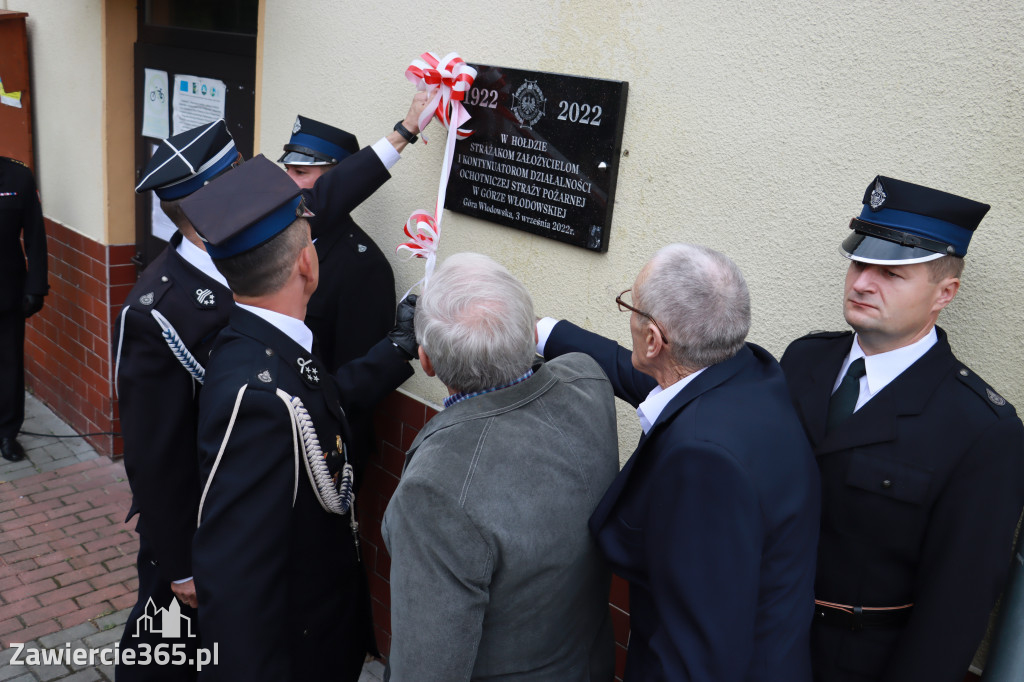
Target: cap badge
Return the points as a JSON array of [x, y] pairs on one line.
[[308, 370], [995, 397], [205, 297], [264, 376], [146, 299], [297, 127], [877, 196]]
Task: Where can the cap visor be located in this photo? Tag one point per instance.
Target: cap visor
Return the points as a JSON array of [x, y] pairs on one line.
[[868, 249], [299, 159]]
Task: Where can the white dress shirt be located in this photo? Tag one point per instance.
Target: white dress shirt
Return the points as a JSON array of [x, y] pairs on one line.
[[200, 260], [292, 327], [650, 409], [882, 368], [386, 152]]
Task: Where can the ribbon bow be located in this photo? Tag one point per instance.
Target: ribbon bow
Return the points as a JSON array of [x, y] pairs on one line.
[[446, 82], [424, 233]]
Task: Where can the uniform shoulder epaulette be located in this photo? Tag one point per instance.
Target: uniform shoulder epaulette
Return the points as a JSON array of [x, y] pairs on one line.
[[263, 374], [151, 291], [998, 403], [824, 335], [20, 163]]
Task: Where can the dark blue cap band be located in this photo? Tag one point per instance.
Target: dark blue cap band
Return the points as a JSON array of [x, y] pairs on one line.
[[319, 144], [259, 232], [183, 189], [921, 226]]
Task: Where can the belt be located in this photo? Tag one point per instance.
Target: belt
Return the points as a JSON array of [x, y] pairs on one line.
[[859, 617]]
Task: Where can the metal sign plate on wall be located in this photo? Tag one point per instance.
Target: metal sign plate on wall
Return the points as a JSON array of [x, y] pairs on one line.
[[544, 155]]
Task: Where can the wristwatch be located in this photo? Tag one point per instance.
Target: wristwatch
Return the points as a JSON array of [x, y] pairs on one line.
[[404, 132]]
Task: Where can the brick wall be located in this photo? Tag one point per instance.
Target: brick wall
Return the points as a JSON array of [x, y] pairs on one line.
[[398, 420], [68, 344]]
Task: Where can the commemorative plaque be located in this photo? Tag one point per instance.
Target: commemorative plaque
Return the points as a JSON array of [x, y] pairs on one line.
[[544, 154]]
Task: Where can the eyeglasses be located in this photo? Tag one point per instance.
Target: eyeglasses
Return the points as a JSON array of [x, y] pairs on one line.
[[626, 307]]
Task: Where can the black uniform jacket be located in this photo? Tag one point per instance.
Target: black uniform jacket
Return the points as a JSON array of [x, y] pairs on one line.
[[354, 304], [280, 588], [159, 400], [921, 491], [20, 214], [713, 521]]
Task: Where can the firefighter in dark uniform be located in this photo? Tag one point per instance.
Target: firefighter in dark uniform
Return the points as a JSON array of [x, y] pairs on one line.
[[282, 593], [354, 304], [922, 462], [22, 288], [164, 334]]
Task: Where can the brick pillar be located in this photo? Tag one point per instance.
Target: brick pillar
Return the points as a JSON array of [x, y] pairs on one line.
[[68, 345]]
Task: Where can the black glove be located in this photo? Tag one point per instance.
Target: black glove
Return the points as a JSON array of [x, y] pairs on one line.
[[403, 334], [31, 304]]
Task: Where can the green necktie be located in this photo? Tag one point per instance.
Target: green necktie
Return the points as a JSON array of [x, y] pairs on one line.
[[844, 400]]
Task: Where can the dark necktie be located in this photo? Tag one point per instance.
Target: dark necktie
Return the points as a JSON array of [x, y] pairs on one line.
[[844, 400]]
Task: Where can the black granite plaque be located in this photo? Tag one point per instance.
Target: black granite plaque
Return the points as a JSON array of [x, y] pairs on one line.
[[544, 154]]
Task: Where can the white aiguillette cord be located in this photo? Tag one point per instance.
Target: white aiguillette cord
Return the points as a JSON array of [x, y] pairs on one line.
[[333, 499]]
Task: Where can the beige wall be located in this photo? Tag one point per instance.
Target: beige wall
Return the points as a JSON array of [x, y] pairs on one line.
[[751, 127], [65, 43]]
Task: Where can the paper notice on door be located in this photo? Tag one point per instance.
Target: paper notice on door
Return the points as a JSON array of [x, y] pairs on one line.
[[197, 101], [162, 225], [11, 99], [155, 105]]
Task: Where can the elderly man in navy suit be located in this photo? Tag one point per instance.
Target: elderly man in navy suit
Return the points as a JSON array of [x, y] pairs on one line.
[[714, 518]]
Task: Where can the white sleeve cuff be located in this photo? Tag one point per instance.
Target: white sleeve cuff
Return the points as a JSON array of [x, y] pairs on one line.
[[544, 327], [386, 152], [183, 580]]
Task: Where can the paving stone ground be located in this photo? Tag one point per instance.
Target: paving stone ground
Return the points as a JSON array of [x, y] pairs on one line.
[[67, 559]]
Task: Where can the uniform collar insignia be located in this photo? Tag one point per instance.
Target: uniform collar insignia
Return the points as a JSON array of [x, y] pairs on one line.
[[264, 376], [206, 298], [309, 371], [362, 248], [297, 127], [146, 299], [995, 397], [877, 196]]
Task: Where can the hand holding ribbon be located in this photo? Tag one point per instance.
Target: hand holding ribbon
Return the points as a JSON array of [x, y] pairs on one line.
[[446, 82]]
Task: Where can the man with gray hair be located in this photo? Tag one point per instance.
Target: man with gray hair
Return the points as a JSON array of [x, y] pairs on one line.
[[714, 518], [493, 572]]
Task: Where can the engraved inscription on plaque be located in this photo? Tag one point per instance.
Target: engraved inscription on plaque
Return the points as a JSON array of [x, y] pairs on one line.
[[544, 155]]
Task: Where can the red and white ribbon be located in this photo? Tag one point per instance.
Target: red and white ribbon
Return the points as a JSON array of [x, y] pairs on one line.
[[423, 237], [446, 82]]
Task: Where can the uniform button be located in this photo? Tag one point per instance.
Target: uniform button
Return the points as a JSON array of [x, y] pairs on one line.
[[964, 372], [305, 633], [164, 278], [269, 352], [887, 484]]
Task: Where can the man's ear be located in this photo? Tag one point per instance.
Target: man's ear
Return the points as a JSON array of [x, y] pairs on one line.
[[426, 364], [305, 262], [946, 293], [653, 343]]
